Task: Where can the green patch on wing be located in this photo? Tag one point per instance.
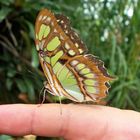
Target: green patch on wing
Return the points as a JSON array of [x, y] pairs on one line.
[[43, 32], [90, 89], [63, 73], [53, 44], [80, 66], [57, 67], [89, 75], [56, 57], [90, 82], [69, 83], [47, 59], [85, 71]]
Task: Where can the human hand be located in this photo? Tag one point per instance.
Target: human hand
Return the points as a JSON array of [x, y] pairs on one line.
[[77, 122]]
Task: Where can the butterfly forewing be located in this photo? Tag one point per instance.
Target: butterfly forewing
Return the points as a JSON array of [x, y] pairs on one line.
[[69, 70]]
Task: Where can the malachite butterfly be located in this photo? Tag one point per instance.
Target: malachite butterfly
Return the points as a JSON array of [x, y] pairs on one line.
[[70, 71]]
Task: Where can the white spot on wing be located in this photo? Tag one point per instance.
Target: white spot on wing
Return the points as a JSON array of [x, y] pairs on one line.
[[40, 17], [76, 34], [52, 23], [66, 31], [81, 51], [55, 30], [48, 19], [44, 17], [61, 37], [72, 37], [74, 62], [67, 46], [62, 21], [76, 44], [71, 52]]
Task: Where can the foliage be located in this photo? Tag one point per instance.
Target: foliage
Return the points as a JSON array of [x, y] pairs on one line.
[[110, 28]]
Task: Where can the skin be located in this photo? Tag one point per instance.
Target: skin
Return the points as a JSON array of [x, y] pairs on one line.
[[76, 122]]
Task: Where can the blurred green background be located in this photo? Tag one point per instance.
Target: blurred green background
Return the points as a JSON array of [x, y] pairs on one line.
[[109, 28]]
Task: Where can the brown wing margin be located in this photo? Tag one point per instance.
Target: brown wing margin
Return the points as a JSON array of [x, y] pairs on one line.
[[103, 70], [100, 65], [64, 23]]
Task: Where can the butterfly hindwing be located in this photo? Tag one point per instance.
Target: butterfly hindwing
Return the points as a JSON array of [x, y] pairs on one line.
[[83, 74]]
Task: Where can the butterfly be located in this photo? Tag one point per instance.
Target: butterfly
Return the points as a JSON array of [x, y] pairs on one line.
[[70, 71]]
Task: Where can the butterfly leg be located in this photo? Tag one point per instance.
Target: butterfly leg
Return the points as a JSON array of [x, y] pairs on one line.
[[44, 96], [60, 105], [40, 94]]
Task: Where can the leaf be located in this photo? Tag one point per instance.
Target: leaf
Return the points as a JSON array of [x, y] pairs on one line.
[[7, 2], [5, 137], [11, 73], [21, 85], [9, 83], [30, 88], [35, 60], [31, 29], [26, 85], [4, 12]]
